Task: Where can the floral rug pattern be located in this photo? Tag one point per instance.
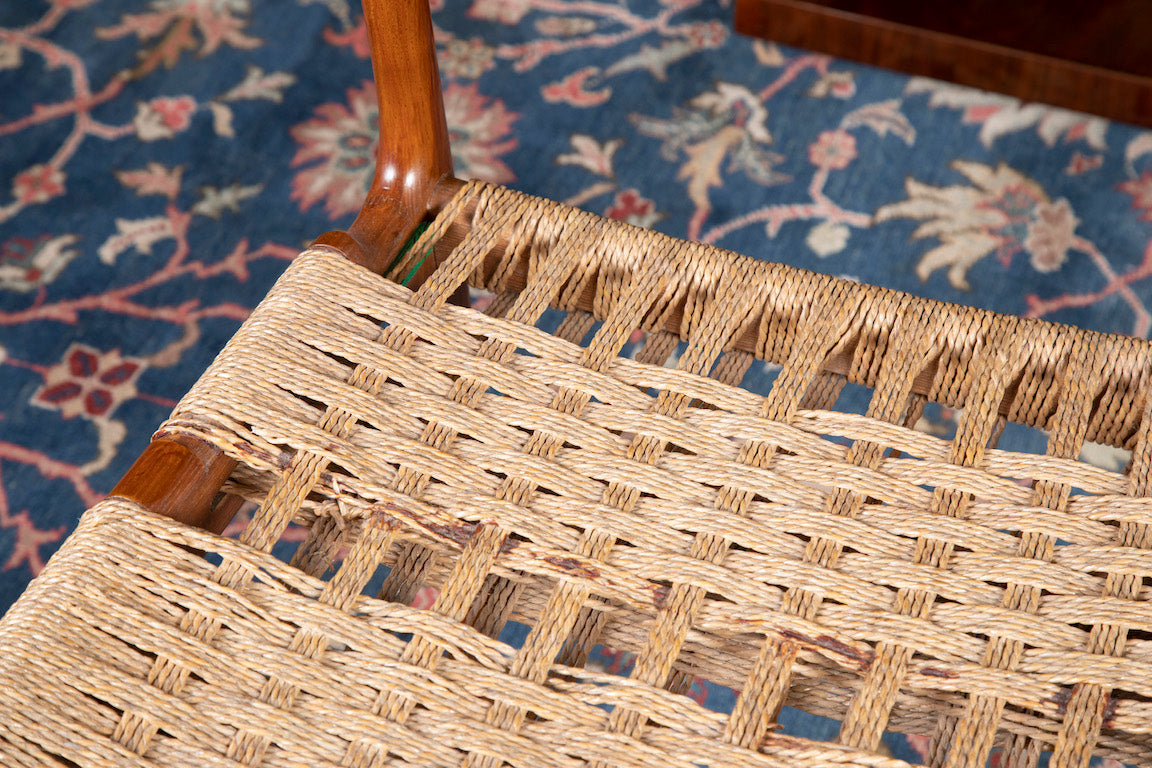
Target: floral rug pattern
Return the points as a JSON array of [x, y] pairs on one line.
[[161, 161]]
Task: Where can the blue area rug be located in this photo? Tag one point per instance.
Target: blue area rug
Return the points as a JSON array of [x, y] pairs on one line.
[[161, 161]]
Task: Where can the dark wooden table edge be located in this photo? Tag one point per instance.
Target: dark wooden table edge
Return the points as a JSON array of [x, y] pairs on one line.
[[879, 42]]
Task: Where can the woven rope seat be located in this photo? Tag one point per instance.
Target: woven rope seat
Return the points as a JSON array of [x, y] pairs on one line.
[[841, 563]]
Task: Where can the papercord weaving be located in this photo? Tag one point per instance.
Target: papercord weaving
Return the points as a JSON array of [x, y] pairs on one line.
[[844, 564]]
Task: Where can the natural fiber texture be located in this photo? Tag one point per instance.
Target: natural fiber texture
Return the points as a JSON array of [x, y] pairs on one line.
[[841, 563]]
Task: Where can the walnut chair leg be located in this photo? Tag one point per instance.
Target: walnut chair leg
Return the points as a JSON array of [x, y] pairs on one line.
[[180, 477], [413, 154]]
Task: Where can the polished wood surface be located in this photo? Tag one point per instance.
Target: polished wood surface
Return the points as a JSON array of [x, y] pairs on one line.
[[413, 153], [1113, 34], [1085, 56], [180, 477]]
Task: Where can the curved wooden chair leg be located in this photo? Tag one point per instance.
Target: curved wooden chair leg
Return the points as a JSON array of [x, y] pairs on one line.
[[413, 154], [181, 477]]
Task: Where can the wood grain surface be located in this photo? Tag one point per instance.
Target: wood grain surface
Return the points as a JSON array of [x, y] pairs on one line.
[[1089, 57]]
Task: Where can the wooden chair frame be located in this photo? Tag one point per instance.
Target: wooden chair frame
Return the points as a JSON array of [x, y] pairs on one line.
[[181, 477], [840, 553]]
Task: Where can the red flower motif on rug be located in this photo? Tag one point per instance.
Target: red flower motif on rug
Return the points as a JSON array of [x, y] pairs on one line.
[[634, 208], [163, 117], [38, 184], [88, 382]]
